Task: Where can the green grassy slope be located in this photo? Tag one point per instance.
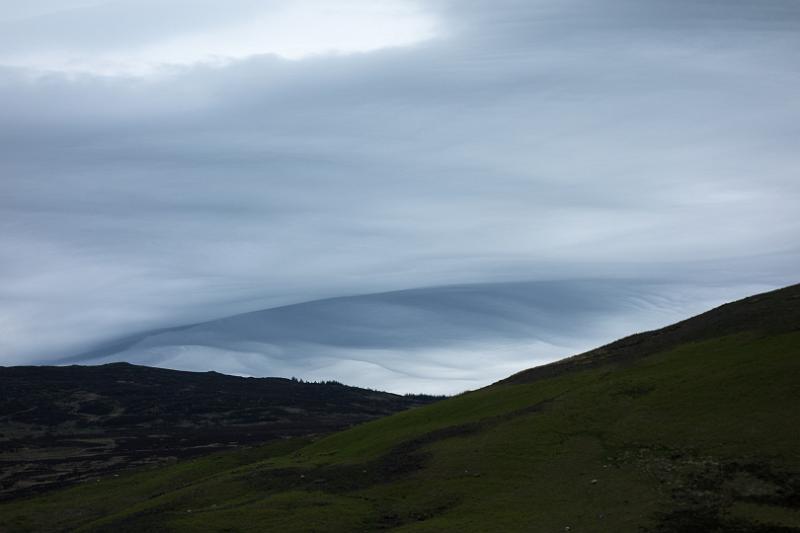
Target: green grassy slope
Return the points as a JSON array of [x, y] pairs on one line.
[[698, 434]]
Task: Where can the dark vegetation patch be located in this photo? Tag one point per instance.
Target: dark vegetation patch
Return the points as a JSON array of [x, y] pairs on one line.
[[393, 518], [705, 490], [709, 520], [632, 390], [60, 425]]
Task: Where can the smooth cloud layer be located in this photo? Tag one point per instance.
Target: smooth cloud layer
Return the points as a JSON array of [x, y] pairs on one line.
[[525, 141]]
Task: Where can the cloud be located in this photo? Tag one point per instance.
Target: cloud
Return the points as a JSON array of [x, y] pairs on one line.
[[138, 38], [523, 141], [433, 340]]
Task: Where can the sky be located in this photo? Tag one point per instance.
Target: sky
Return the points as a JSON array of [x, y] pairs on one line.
[[172, 162]]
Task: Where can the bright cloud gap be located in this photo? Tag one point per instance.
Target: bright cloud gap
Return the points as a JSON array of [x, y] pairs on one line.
[[293, 31]]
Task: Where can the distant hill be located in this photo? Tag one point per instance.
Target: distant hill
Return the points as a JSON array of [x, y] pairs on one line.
[[66, 424], [688, 429]]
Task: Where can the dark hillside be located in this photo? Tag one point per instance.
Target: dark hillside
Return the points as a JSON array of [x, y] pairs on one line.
[[63, 424]]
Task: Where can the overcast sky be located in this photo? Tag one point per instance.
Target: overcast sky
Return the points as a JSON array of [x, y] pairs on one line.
[[164, 162]]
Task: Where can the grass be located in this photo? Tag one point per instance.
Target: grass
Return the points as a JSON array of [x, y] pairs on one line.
[[699, 437]]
